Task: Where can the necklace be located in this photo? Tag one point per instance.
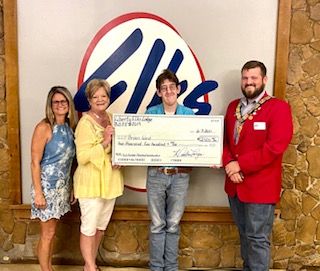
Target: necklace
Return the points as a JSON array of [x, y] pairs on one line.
[[101, 119], [249, 115], [97, 116]]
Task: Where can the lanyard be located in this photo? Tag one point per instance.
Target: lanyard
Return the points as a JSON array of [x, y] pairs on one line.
[[242, 119]]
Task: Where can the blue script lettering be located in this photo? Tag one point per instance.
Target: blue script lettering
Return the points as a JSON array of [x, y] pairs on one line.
[[123, 53]]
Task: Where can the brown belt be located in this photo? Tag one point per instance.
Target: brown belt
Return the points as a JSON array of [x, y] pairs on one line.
[[174, 170]]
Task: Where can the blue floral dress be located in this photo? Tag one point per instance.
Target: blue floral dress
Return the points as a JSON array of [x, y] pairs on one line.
[[55, 174]]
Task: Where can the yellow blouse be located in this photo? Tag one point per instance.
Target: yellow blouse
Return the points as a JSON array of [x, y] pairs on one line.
[[94, 176]]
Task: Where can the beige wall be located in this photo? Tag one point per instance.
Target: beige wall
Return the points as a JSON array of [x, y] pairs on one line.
[[211, 51], [296, 235]]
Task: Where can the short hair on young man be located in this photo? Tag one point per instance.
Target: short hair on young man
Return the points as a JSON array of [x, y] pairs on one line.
[[255, 64], [167, 74]]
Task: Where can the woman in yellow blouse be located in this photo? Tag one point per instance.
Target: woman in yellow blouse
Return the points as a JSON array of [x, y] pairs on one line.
[[97, 183]]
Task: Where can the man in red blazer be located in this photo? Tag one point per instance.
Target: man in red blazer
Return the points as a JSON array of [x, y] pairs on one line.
[[258, 129]]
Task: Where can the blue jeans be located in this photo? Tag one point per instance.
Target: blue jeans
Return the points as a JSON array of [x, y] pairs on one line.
[[166, 202], [254, 222]]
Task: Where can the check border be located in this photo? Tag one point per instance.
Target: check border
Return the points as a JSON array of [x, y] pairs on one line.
[[156, 140]]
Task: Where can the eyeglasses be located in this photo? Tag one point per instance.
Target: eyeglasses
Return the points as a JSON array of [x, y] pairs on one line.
[[171, 87], [62, 102]]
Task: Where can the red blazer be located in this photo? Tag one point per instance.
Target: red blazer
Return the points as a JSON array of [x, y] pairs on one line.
[[259, 151]]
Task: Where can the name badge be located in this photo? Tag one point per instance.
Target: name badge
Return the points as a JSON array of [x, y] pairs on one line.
[[259, 126]]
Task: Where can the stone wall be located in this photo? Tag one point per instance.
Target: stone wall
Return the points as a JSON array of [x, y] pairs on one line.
[[124, 244], [298, 230], [296, 233]]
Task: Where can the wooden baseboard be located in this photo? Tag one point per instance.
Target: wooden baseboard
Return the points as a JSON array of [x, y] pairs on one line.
[[194, 214]]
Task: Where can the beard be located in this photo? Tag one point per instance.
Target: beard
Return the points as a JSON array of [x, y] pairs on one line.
[[255, 93]]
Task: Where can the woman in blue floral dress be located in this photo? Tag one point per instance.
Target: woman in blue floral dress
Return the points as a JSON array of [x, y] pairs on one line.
[[52, 155]]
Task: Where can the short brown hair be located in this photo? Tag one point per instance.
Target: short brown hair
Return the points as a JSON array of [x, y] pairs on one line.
[[255, 64], [166, 74]]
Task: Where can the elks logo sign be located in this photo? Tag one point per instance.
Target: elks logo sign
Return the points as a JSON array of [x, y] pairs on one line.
[[130, 52]]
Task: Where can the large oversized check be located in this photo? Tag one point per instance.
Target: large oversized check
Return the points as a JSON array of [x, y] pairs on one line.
[[167, 140]]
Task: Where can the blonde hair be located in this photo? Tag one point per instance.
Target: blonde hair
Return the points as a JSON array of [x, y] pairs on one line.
[[94, 85], [71, 117]]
